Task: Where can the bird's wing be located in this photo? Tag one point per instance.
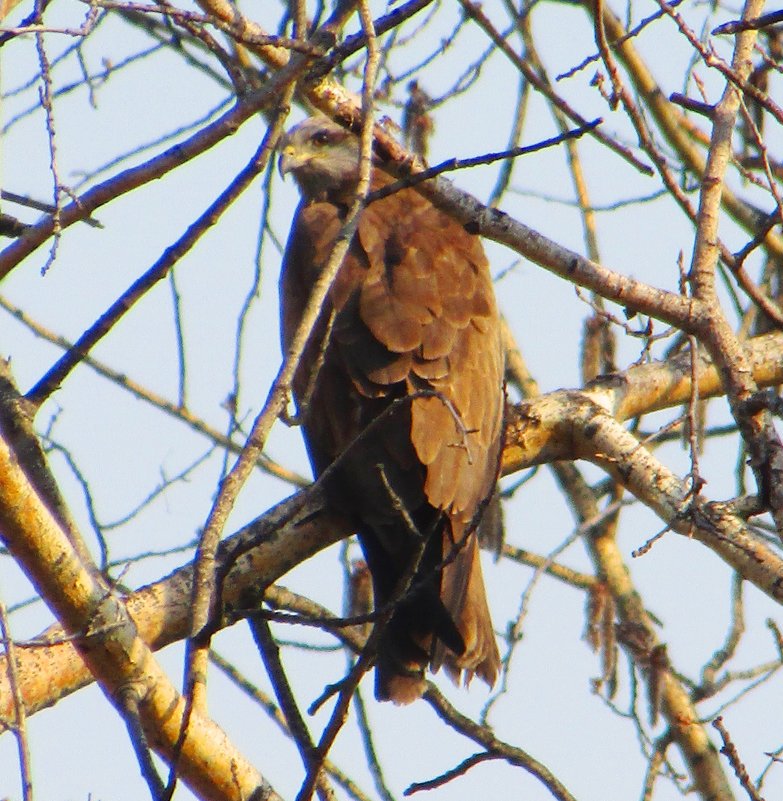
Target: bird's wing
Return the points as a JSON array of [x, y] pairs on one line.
[[428, 299]]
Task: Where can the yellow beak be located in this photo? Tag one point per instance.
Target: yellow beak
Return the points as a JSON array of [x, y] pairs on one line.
[[289, 160]]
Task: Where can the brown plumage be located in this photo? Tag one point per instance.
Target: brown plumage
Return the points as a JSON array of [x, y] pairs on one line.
[[413, 317]]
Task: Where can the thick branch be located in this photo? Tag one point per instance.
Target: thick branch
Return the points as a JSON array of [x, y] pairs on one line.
[[109, 642]]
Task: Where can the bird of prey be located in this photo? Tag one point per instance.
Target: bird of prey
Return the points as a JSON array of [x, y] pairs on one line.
[[402, 385]]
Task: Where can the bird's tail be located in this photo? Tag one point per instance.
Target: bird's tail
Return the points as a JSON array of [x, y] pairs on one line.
[[450, 628]]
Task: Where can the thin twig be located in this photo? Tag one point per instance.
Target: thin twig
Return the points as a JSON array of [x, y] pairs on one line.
[[20, 715], [729, 750], [128, 702], [273, 711], [270, 653], [488, 158], [483, 736], [449, 775]]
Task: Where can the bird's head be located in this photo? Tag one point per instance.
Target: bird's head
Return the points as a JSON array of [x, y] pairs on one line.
[[323, 158]]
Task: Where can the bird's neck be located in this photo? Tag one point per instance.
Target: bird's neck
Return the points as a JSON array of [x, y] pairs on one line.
[[343, 194]]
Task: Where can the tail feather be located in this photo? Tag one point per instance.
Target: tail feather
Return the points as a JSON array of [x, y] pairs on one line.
[[464, 595], [452, 630]]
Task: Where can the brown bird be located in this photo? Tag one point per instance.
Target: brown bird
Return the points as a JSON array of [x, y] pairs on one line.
[[403, 381]]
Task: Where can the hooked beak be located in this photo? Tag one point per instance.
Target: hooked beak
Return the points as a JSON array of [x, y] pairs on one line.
[[289, 160]]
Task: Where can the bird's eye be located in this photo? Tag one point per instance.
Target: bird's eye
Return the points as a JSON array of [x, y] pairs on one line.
[[321, 138]]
